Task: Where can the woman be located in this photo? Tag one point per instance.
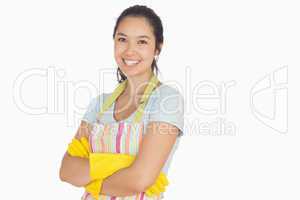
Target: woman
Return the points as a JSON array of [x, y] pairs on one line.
[[142, 117]]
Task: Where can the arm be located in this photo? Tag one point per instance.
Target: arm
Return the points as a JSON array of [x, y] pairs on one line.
[[134, 179], [148, 164], [75, 170]]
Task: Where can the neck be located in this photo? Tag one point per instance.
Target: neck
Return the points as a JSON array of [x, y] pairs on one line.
[[137, 85]]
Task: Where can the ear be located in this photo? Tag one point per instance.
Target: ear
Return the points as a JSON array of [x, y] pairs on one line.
[[157, 52]]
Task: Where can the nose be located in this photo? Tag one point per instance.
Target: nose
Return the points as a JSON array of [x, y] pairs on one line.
[[130, 50]]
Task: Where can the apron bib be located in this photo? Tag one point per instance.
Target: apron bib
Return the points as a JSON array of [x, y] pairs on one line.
[[120, 137]]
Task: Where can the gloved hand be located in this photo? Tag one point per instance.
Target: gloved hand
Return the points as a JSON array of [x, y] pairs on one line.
[[159, 186], [79, 148], [105, 164], [94, 188]]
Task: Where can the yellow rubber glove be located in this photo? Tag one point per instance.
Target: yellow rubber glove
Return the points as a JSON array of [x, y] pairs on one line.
[[103, 165], [159, 186], [79, 148], [109, 163], [94, 188], [85, 143]]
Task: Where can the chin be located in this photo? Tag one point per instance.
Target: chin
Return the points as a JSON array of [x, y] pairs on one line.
[[132, 73], [133, 70]]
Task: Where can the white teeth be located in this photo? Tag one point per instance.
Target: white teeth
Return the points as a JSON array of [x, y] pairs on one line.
[[131, 62]]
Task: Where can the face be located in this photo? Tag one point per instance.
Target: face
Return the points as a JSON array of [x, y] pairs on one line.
[[134, 46]]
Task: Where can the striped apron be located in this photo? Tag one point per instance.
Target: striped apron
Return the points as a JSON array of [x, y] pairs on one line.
[[120, 137]]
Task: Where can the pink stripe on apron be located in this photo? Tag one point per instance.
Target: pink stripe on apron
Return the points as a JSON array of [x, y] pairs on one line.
[[142, 196], [127, 139], [119, 135]]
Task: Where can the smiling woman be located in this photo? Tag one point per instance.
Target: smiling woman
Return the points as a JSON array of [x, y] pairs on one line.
[[138, 28], [134, 46], [127, 138]]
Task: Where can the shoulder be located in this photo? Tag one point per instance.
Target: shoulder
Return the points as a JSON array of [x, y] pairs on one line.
[[96, 102], [166, 93], [166, 99], [94, 107], [167, 106], [165, 88]]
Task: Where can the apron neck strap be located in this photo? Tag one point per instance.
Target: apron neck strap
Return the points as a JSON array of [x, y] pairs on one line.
[[120, 88]]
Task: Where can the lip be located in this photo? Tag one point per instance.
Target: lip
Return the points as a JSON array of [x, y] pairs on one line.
[[131, 60]]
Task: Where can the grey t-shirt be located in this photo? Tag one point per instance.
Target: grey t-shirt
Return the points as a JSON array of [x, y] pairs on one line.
[[165, 104]]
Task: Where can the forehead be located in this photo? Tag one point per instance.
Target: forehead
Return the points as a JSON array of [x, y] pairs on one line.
[[135, 27]]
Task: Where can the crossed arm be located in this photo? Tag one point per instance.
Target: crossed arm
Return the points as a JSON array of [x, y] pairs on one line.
[[134, 179]]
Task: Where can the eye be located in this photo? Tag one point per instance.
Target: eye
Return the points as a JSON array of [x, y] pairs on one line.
[[142, 42], [121, 39]]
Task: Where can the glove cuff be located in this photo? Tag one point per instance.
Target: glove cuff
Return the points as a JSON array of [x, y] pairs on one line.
[[94, 188]]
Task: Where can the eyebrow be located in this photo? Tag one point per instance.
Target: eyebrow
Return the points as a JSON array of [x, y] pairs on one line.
[[140, 36]]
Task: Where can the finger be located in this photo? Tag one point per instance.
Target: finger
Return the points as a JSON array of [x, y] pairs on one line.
[[85, 143], [159, 185], [78, 145], [73, 151], [74, 148], [149, 193], [155, 190], [163, 179]]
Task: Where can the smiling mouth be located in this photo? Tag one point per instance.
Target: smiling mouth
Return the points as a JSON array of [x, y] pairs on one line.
[[130, 62]]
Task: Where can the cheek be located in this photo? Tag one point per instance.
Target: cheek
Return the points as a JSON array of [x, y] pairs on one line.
[[147, 52], [118, 50]]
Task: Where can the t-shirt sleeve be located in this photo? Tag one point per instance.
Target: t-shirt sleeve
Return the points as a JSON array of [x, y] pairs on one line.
[[92, 110], [168, 107]]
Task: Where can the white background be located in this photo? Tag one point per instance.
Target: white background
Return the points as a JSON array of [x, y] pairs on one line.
[[211, 42]]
